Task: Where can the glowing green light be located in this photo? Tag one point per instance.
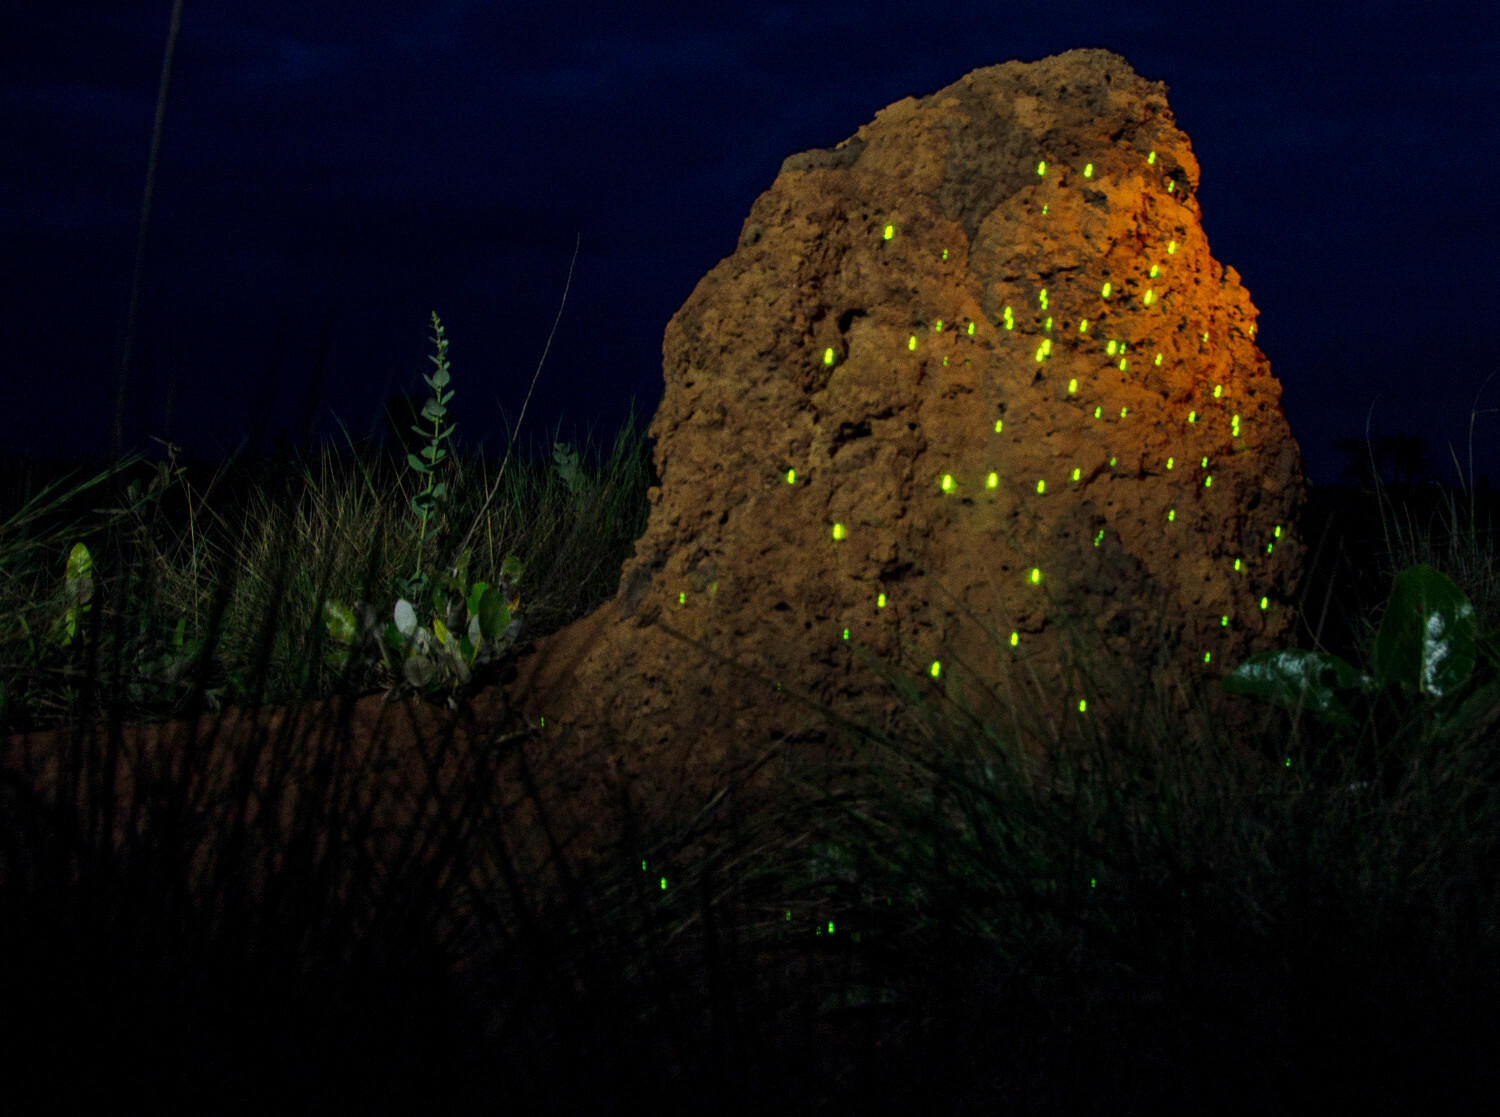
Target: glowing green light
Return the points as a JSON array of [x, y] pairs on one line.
[[1123, 410], [1098, 537], [1041, 486], [682, 599], [1015, 638], [1171, 247], [1148, 297], [992, 480], [1205, 337], [939, 326], [1097, 410], [1047, 325], [1171, 514], [947, 482], [1082, 705], [912, 343], [1041, 352], [1205, 462], [971, 329], [1169, 463], [828, 356], [1205, 657], [846, 634], [1263, 603], [1072, 386], [791, 477], [880, 602], [1236, 564], [998, 424], [1192, 416], [1105, 291], [1041, 168], [1207, 481], [1170, 185], [1278, 531], [1158, 360], [1151, 158], [936, 669], [1044, 209], [1009, 322], [1075, 473], [1043, 298], [1122, 364], [890, 231], [945, 254], [1111, 463], [838, 531], [1224, 620], [1088, 170], [1109, 347], [1083, 327], [1218, 388], [1268, 547], [1036, 575], [1152, 273]]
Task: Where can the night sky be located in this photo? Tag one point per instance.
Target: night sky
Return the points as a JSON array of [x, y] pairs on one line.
[[336, 172]]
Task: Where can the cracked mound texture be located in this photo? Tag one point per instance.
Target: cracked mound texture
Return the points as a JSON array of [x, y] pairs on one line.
[[984, 338]]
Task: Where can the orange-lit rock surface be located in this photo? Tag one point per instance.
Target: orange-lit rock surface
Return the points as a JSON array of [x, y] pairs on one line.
[[984, 338]]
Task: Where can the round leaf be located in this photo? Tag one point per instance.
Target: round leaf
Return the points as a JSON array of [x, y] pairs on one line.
[[1427, 637]]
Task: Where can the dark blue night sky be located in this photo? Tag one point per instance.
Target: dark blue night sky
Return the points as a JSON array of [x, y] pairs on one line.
[[351, 168]]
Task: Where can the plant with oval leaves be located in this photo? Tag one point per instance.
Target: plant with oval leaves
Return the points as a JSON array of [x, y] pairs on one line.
[[1426, 649], [466, 626], [159, 667]]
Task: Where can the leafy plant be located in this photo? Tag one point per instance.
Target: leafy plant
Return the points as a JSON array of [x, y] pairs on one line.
[[158, 669], [469, 626], [1426, 650]]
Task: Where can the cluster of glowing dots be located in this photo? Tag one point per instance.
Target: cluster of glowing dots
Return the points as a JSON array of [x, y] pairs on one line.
[[1112, 348]]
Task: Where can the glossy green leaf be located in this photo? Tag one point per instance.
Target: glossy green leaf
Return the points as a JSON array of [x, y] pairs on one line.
[[494, 614], [1427, 638], [1296, 676]]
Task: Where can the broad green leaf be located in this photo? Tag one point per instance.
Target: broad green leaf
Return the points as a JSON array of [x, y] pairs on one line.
[[476, 595], [80, 563], [1427, 638], [1295, 675], [494, 613], [340, 622]]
